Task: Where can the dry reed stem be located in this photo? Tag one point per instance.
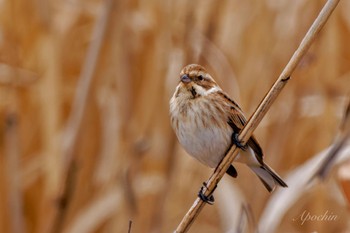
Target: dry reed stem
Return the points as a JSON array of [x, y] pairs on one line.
[[284, 200], [74, 123], [12, 154], [97, 212], [340, 141], [259, 113]]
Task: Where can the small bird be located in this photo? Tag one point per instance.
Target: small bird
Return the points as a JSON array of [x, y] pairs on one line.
[[207, 122]]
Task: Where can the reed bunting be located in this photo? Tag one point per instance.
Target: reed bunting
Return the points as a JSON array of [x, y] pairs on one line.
[[207, 121]]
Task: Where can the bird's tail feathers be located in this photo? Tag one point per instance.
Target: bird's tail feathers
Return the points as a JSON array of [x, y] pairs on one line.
[[268, 177]]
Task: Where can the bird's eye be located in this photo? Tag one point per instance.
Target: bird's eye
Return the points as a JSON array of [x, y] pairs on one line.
[[200, 77]]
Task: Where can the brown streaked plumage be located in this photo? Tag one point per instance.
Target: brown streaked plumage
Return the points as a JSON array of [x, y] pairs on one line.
[[204, 119]]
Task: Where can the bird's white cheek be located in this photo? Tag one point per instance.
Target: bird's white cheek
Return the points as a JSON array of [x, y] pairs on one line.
[[200, 90], [204, 92], [213, 89]]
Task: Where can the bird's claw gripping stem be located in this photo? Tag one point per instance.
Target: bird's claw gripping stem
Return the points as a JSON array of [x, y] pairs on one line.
[[207, 199]]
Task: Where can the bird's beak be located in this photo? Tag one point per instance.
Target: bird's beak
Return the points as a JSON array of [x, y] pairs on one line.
[[185, 78]]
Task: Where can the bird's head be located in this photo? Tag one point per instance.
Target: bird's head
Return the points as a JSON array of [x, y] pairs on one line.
[[195, 82]]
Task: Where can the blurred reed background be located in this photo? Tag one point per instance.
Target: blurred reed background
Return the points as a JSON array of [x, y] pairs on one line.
[[86, 143]]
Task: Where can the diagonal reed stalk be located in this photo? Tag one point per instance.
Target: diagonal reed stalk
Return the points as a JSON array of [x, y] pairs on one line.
[[259, 113]]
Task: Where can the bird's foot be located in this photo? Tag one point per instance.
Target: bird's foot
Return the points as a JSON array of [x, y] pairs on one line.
[[237, 142], [207, 199]]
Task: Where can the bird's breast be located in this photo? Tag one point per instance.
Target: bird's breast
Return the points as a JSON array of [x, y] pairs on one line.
[[202, 130]]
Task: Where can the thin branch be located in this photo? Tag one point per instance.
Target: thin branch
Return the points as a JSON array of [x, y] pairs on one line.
[[259, 113], [129, 229]]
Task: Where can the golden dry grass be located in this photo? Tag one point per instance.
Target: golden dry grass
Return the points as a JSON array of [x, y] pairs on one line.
[[84, 89]]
